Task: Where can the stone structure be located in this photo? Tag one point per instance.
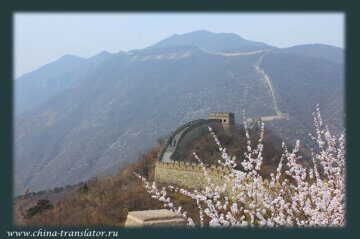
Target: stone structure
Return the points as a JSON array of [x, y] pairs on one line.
[[154, 218], [189, 175], [171, 143], [226, 118]]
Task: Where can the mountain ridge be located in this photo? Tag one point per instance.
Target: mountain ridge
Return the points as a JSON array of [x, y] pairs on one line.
[[323, 51], [211, 41], [110, 107]]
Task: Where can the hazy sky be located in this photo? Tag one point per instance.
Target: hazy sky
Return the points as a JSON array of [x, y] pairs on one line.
[[41, 38]]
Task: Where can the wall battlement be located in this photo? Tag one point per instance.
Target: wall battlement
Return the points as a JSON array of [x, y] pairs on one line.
[[193, 167], [226, 118], [188, 174]]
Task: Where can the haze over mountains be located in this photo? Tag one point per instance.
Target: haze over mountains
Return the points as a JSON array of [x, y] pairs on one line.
[[76, 118], [224, 42]]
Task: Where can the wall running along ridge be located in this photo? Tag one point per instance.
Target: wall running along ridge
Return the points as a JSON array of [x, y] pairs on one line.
[[188, 175]]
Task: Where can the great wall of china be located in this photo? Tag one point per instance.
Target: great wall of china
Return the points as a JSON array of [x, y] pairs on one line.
[[167, 170], [267, 79], [187, 174], [191, 175]]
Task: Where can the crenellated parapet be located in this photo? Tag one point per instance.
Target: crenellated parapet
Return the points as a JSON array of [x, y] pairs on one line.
[[190, 175], [179, 134], [216, 170]]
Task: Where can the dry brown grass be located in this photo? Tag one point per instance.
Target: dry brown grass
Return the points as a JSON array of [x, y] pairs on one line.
[[107, 200]]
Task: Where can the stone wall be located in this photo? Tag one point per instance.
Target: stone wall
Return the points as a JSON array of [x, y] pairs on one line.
[[187, 174], [226, 118]]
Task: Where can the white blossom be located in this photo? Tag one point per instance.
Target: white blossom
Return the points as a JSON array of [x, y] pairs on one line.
[[301, 197]]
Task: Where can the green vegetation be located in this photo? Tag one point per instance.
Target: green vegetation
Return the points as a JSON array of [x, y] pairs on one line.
[[41, 206]]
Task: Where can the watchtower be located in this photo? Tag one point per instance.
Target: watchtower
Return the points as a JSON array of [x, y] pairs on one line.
[[226, 118]]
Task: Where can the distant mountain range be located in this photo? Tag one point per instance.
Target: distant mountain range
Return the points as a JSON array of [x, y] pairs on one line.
[[76, 118], [222, 42]]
